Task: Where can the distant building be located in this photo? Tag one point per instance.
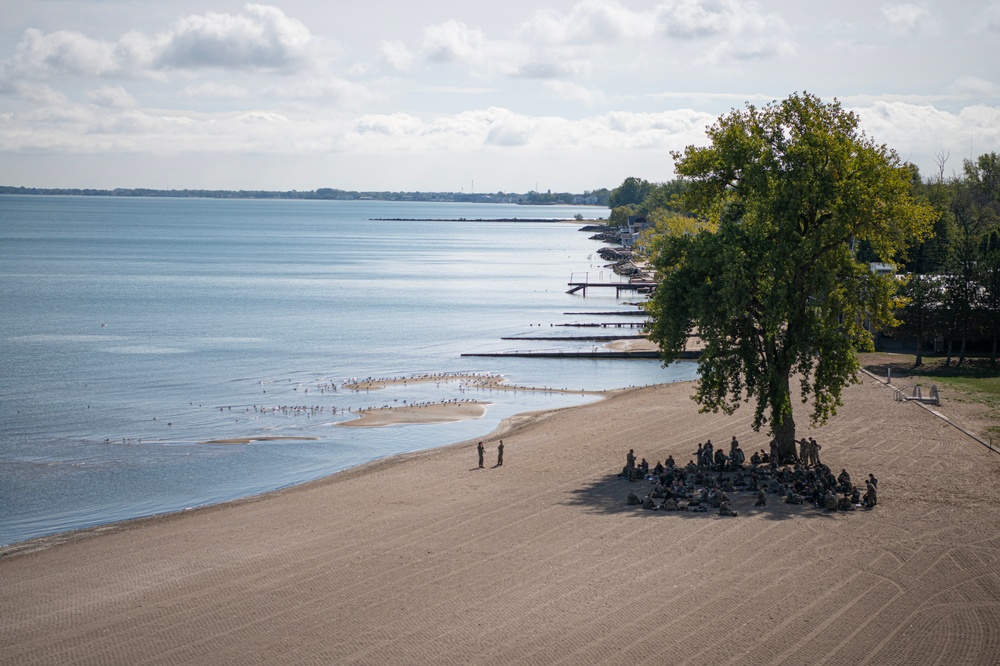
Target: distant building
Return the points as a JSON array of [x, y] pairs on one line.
[[629, 234]]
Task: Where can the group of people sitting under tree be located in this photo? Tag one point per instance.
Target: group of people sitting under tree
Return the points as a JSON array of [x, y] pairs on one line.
[[707, 483]]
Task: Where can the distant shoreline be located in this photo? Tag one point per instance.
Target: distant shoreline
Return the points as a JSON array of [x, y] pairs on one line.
[[598, 199]]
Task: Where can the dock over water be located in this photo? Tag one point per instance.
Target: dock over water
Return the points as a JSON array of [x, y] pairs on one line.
[[643, 287], [591, 354]]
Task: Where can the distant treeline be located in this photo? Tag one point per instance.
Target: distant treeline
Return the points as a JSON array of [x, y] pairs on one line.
[[595, 197]]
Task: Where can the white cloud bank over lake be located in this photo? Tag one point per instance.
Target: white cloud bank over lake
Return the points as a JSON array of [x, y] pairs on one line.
[[561, 95]]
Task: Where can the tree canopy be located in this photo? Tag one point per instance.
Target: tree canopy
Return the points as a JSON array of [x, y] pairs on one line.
[[952, 290], [632, 192], [772, 283]]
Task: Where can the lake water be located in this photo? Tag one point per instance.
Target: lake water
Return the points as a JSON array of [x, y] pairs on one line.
[[134, 330]]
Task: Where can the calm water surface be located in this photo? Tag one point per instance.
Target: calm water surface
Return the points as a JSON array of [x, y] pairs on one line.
[[134, 330]]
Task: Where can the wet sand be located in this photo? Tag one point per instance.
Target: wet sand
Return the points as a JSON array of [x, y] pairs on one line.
[[425, 559], [430, 413]]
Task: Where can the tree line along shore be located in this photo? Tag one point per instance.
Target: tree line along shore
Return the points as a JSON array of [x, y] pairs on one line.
[[598, 197]]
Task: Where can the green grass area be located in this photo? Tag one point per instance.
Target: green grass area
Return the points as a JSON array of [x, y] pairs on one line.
[[976, 380]]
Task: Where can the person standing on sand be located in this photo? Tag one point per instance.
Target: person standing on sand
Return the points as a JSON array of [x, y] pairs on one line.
[[814, 448], [500, 454], [481, 451]]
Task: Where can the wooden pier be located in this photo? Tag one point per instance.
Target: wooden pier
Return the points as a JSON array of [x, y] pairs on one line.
[[615, 313], [578, 338], [619, 287], [591, 354], [607, 324]]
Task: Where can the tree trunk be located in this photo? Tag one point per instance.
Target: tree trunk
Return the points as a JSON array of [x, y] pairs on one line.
[[947, 358], [782, 421], [784, 434], [920, 351]]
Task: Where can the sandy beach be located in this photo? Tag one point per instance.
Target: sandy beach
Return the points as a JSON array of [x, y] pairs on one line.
[[425, 559]]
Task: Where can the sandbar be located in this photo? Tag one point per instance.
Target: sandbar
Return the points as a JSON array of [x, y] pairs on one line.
[[446, 412], [250, 440]]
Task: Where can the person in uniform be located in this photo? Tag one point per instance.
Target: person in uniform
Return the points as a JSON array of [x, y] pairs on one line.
[[724, 509], [720, 459], [871, 497], [670, 504], [814, 448], [844, 481]]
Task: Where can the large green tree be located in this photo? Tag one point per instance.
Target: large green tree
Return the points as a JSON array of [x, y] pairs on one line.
[[776, 291], [631, 192]]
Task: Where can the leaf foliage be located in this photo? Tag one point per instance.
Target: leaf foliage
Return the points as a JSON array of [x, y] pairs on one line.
[[771, 283]]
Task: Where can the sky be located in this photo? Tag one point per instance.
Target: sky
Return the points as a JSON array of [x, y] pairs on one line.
[[449, 95]]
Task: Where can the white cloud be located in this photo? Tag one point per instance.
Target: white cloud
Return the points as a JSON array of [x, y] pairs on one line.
[[692, 19], [261, 117], [734, 31], [219, 81], [112, 97], [707, 96], [75, 129], [574, 92], [453, 41], [454, 90], [261, 38], [39, 55], [905, 18], [511, 131], [973, 86], [919, 132], [396, 124], [329, 89], [743, 50], [396, 54], [214, 90], [731, 30], [35, 93], [990, 19], [587, 23], [554, 69]]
